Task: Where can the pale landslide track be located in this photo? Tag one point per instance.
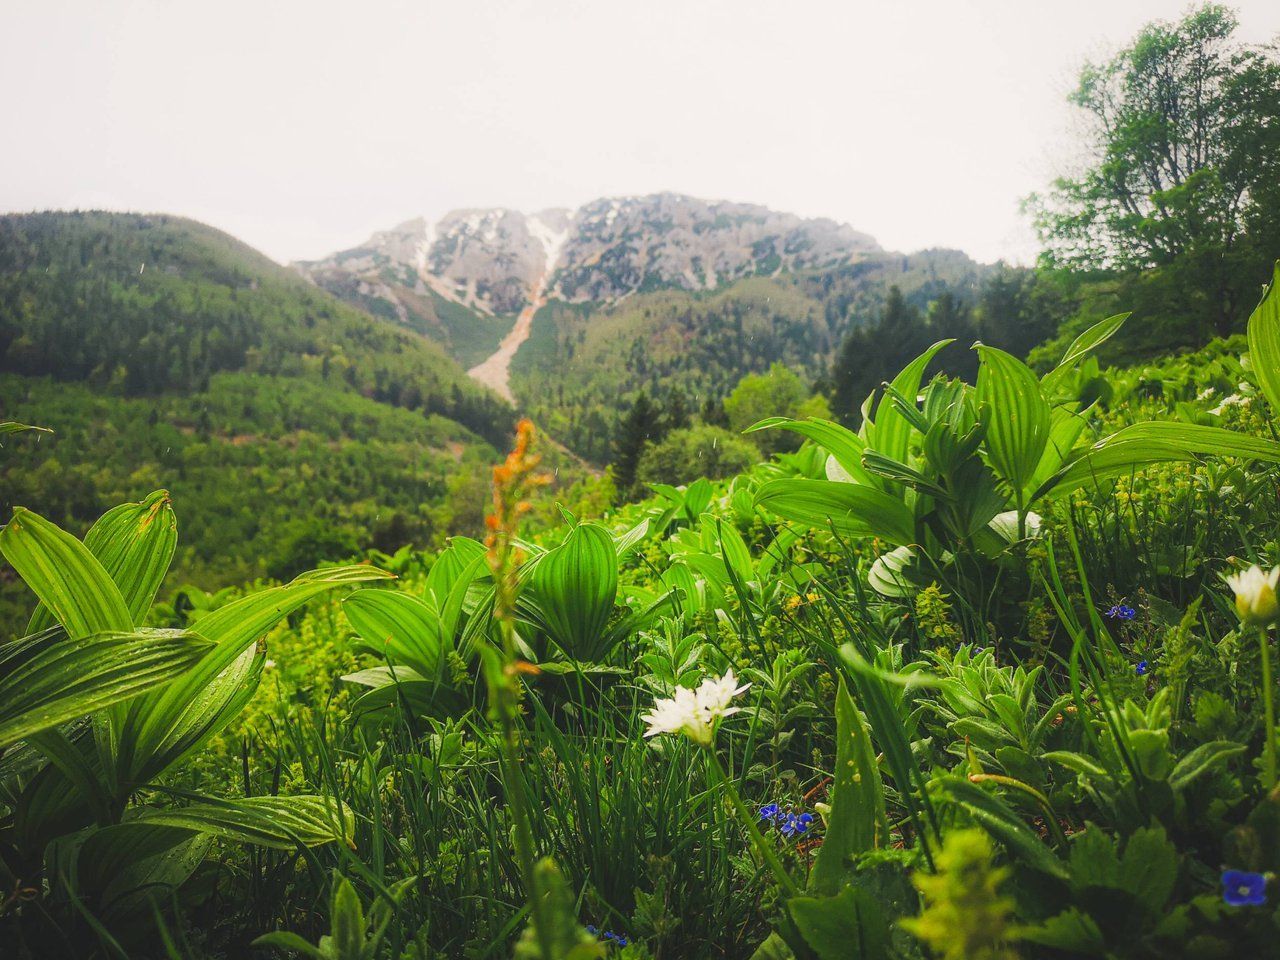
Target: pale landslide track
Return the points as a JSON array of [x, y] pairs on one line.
[[495, 370]]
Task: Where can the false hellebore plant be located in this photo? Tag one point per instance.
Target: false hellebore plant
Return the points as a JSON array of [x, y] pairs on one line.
[[954, 471], [95, 710]]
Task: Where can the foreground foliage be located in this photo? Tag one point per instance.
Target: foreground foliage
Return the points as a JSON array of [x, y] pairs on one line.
[[990, 676]]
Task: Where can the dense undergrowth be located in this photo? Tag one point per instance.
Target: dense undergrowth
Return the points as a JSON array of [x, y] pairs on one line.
[[969, 682]]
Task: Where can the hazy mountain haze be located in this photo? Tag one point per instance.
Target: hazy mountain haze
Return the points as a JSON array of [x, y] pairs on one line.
[[303, 127]]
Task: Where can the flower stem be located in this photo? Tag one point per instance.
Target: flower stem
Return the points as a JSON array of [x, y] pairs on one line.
[[1269, 715], [763, 847]]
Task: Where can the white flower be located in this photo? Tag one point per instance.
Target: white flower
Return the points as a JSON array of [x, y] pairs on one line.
[[1256, 595], [714, 696], [1235, 400], [1206, 393], [695, 712]]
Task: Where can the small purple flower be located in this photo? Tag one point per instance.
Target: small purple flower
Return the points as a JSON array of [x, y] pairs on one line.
[[770, 813], [1243, 889], [1142, 668], [1122, 612], [796, 824], [608, 936]]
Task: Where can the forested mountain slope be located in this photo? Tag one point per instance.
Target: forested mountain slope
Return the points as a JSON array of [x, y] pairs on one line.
[[290, 425]]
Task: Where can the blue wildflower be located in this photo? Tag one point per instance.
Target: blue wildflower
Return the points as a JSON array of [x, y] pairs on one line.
[[1243, 889], [1142, 668], [770, 812], [608, 936], [796, 824], [1122, 612]]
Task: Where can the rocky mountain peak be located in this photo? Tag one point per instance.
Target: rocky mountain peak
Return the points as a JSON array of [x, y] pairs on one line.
[[496, 260]]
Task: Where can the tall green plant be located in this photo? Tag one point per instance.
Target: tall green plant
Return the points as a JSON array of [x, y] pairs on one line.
[[105, 708]]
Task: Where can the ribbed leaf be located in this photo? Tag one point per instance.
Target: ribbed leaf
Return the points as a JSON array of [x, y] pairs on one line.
[[851, 509], [164, 725], [1264, 342], [66, 577], [159, 732], [843, 444], [1140, 445], [1016, 415], [12, 426], [66, 679], [1065, 427], [392, 686], [400, 628], [279, 822], [1005, 825], [135, 543], [122, 858], [856, 823], [572, 591], [892, 431], [1091, 339]]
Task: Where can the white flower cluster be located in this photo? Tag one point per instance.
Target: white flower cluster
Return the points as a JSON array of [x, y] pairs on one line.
[[1255, 591], [695, 712], [1241, 399]]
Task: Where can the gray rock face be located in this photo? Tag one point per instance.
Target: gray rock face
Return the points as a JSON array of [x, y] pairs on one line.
[[496, 261], [622, 245]]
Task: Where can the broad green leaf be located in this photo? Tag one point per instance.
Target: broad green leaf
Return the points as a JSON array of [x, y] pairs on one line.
[[1003, 823], [282, 823], [119, 859], [773, 948], [631, 538], [135, 543], [1140, 445], [851, 509], [1201, 760], [843, 444], [1149, 867], [1072, 931], [892, 573], [346, 918], [396, 686], [571, 592], [12, 426], [1091, 339], [450, 565], [1065, 427], [847, 926], [1264, 342], [891, 431], [1016, 415], [61, 679], [279, 822], [164, 725], [400, 628], [284, 940], [857, 822], [66, 577]]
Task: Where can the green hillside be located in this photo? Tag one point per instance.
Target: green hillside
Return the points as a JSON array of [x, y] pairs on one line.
[[584, 364], [467, 335], [291, 426], [144, 304]]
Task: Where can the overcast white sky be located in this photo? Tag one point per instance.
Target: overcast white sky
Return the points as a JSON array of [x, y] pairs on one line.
[[303, 126]]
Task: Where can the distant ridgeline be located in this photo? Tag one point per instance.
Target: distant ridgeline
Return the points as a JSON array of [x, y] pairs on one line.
[[658, 293]]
